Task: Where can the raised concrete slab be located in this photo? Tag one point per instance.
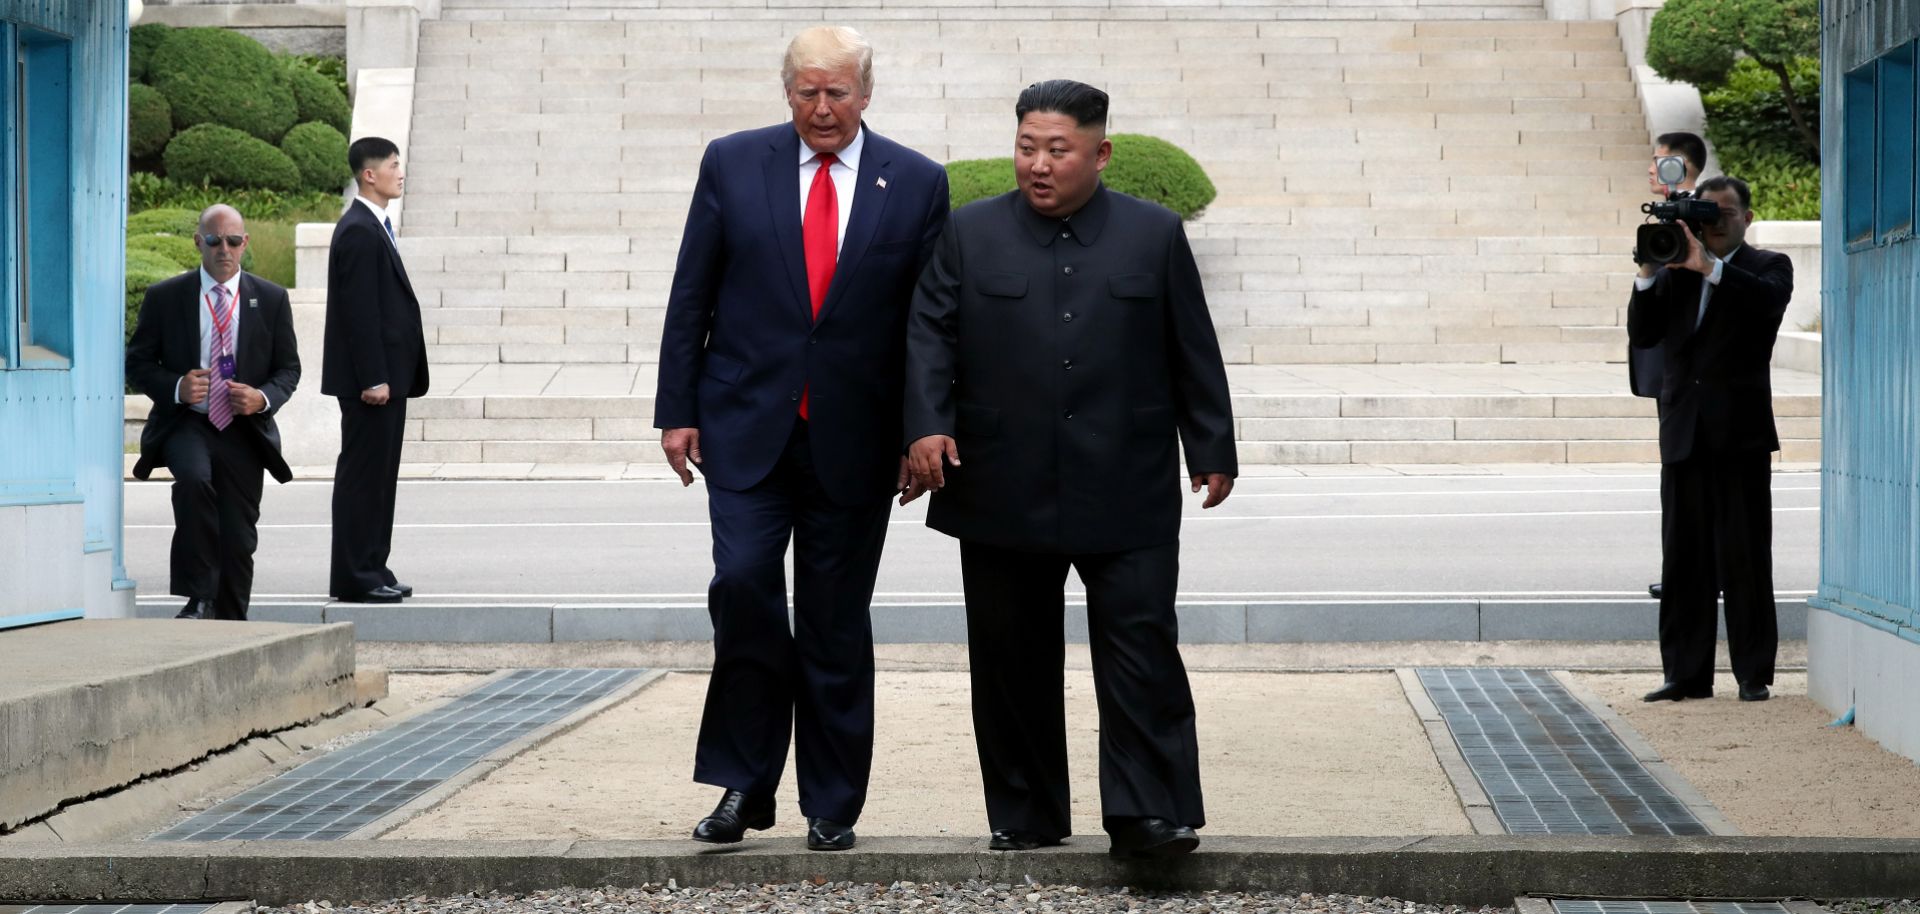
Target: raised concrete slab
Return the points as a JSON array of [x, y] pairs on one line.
[[89, 706], [1461, 869]]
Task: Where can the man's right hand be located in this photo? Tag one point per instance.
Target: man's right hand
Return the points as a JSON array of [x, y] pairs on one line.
[[376, 396], [193, 386], [924, 457], [681, 445]]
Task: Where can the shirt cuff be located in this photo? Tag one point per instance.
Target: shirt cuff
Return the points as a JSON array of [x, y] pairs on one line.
[[267, 401], [1713, 275], [1642, 283], [176, 389]]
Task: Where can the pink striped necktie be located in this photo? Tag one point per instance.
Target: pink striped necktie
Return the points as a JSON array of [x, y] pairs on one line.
[[219, 409]]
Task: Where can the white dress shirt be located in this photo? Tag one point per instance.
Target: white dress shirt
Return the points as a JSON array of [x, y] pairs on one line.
[[1643, 283], [204, 306], [845, 176]]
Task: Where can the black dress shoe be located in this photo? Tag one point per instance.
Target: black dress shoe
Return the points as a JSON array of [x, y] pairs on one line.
[[381, 594], [406, 590], [195, 609], [1149, 838], [828, 835], [1754, 693], [1653, 590], [1673, 691], [1007, 839], [730, 820]]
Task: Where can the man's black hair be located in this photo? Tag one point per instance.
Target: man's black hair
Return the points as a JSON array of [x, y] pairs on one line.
[[1727, 182], [369, 150], [1085, 104], [1687, 145]]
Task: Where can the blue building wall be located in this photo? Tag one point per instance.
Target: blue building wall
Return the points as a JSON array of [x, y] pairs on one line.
[[63, 155], [1864, 630]]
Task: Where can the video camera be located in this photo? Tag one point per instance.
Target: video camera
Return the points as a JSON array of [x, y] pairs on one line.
[[1664, 242]]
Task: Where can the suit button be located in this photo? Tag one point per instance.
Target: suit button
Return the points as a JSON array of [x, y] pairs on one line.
[[793, 395], [1069, 414], [1068, 317], [1068, 271], [1068, 364]]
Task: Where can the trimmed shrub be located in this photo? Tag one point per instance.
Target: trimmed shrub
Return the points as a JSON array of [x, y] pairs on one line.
[[1146, 167], [1752, 132], [149, 121], [1702, 41], [175, 248], [213, 76], [215, 155], [320, 152], [317, 98], [179, 222], [144, 268], [145, 192], [141, 41]]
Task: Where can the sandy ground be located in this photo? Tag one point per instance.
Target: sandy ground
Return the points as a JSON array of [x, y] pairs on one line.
[[1775, 767], [418, 688], [1282, 754]]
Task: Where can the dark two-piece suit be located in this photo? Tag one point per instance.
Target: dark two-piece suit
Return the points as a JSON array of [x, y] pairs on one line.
[[1062, 357], [740, 346], [1716, 440], [217, 474], [373, 337]]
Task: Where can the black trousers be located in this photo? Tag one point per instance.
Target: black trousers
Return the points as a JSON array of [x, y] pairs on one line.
[[1717, 519], [217, 480], [365, 480], [1149, 756], [813, 682]]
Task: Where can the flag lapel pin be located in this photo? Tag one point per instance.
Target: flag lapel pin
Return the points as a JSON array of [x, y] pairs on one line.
[[881, 182]]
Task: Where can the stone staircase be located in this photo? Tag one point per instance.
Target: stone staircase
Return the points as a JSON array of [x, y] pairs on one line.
[[1401, 182]]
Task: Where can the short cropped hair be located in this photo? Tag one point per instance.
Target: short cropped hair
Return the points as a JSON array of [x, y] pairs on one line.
[[828, 47], [1085, 104], [1727, 182], [1687, 145], [369, 150]]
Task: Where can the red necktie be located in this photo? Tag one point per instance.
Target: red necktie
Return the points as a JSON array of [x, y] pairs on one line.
[[820, 233]]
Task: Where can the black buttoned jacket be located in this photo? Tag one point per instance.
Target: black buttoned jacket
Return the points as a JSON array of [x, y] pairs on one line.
[[1062, 356]]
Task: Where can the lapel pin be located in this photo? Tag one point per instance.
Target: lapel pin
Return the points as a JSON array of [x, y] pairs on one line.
[[882, 182], [253, 303]]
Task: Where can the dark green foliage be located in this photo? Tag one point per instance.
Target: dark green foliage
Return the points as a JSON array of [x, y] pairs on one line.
[[172, 221], [141, 40], [147, 192], [175, 248], [222, 156], [144, 268], [1143, 166], [149, 121], [333, 68], [1753, 135], [320, 152], [1701, 41], [318, 98], [213, 76]]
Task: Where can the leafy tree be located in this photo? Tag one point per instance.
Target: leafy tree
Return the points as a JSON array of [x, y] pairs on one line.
[[1698, 42]]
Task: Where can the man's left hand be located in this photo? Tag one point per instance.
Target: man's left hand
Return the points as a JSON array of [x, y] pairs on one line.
[[908, 487], [1697, 259], [1219, 486], [245, 400]]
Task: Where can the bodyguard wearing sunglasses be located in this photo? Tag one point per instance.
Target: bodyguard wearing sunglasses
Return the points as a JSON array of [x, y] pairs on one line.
[[214, 349]]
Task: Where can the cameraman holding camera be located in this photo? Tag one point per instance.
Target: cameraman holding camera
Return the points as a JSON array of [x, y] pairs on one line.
[[1715, 305]]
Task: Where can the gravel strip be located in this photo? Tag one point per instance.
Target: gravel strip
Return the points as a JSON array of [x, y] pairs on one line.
[[860, 898]]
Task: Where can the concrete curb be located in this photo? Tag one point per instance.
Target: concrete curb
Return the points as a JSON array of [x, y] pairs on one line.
[[1461, 869]]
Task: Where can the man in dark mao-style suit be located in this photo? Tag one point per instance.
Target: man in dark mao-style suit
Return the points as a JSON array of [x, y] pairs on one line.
[[376, 360], [780, 371], [1059, 341], [1716, 315], [215, 351]]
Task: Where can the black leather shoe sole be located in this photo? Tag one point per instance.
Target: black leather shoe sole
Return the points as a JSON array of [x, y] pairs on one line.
[[1176, 847], [825, 835], [1019, 841], [371, 598], [1756, 694], [721, 836], [1676, 694]]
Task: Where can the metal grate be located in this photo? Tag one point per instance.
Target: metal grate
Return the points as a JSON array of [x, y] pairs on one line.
[[1548, 765], [1575, 906], [105, 908], [336, 794]]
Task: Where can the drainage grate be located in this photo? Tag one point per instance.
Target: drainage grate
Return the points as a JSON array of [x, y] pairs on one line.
[[105, 908], [1548, 765], [1571, 906], [336, 794]]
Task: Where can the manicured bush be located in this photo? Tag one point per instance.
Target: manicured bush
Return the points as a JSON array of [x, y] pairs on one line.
[[333, 68], [1753, 135], [145, 192], [215, 155], [1701, 41], [320, 152], [141, 40], [149, 121], [317, 98], [213, 76], [175, 248], [1146, 167], [180, 222], [144, 268]]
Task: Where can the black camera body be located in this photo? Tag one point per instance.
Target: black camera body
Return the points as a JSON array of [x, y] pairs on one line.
[[1664, 242]]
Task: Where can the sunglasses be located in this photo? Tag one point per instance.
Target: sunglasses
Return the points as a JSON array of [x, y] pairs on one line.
[[232, 241]]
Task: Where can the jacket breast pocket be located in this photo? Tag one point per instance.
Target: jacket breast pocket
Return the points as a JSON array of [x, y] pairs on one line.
[[1001, 285], [974, 420], [724, 369], [1134, 285]]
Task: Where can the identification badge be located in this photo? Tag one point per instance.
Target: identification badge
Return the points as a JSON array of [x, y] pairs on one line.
[[226, 366]]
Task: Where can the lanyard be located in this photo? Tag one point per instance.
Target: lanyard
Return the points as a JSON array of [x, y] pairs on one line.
[[220, 322]]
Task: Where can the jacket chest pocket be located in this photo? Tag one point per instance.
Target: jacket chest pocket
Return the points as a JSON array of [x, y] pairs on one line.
[[1000, 285], [1134, 286]]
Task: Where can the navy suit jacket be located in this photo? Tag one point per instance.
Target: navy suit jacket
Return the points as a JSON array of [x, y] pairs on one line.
[[374, 335], [741, 342]]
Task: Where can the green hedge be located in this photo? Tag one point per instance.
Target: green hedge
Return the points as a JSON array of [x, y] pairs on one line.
[[213, 76], [212, 154], [141, 41], [171, 221], [320, 152], [175, 248], [149, 121], [1755, 140], [317, 98], [144, 268], [145, 192], [1146, 167]]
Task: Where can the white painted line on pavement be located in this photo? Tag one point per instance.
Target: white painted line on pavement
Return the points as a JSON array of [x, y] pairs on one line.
[[1223, 596], [1478, 493]]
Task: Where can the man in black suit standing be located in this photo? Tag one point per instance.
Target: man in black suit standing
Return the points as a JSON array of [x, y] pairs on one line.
[[214, 349], [1717, 313], [376, 359], [780, 379], [1058, 340]]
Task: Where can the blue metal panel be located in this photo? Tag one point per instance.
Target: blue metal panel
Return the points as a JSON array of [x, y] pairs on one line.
[[9, 206], [45, 173], [1893, 132]]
